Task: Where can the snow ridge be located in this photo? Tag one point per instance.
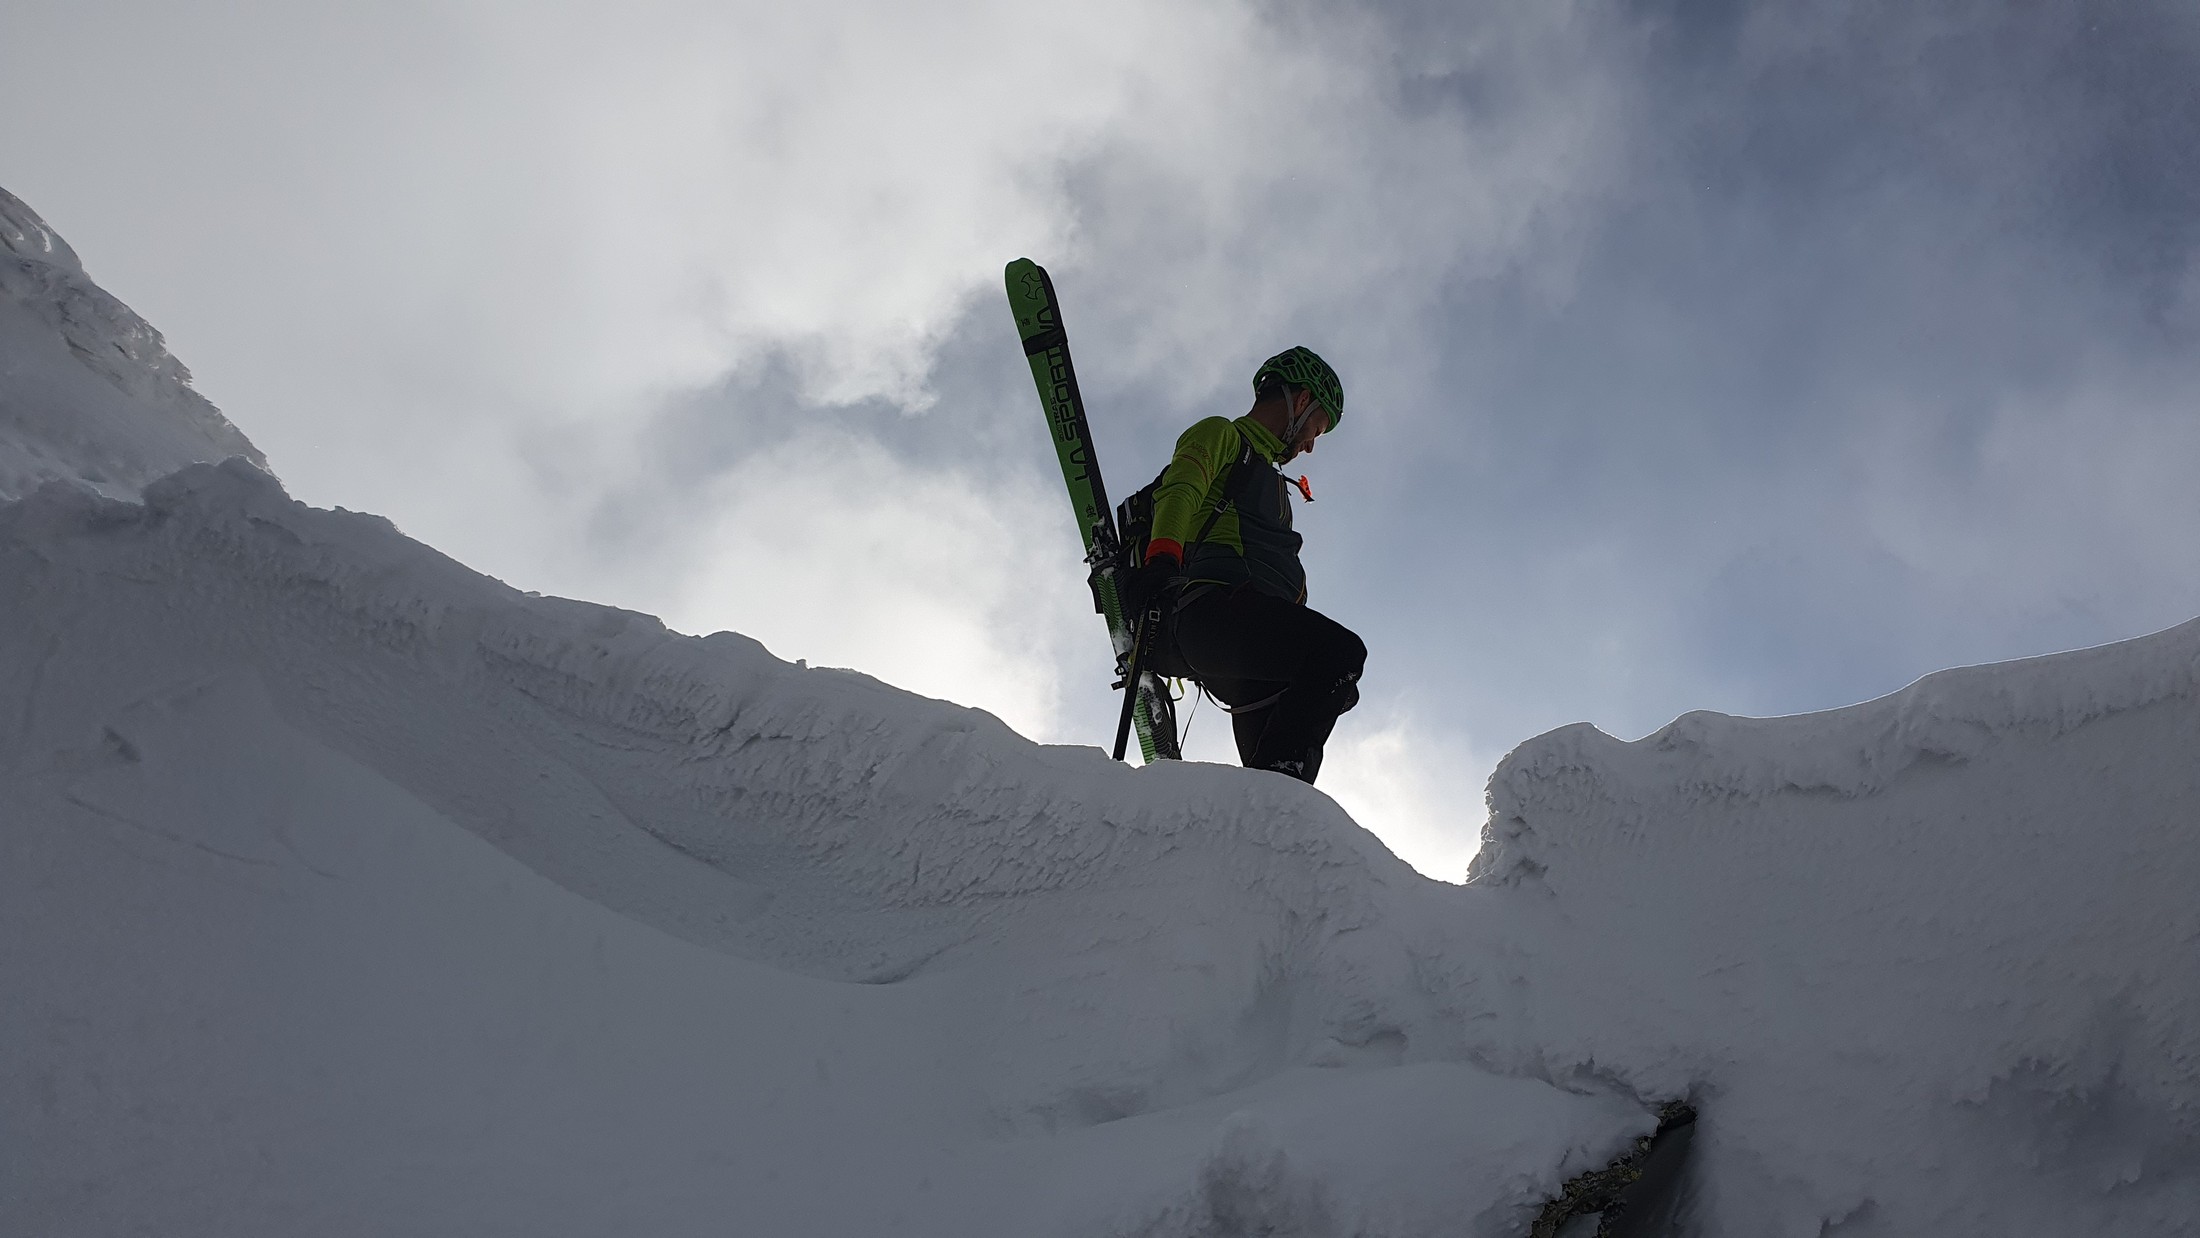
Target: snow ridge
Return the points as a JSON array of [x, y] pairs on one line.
[[1932, 956], [1107, 962], [840, 779], [1950, 717], [136, 419], [1923, 965]]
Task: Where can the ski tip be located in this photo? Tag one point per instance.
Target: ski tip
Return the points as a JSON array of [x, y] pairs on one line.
[[1029, 290]]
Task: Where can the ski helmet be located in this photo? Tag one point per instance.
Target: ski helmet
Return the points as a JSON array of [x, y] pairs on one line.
[[1302, 368]]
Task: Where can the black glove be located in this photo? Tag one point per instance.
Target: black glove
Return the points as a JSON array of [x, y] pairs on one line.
[[1138, 588]]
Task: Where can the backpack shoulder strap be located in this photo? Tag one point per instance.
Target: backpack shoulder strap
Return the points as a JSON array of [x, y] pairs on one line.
[[1223, 497]]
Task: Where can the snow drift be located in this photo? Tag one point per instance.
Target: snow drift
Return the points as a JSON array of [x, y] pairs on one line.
[[1930, 964], [794, 946], [345, 890]]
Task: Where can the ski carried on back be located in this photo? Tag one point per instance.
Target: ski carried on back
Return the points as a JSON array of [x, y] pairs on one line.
[[1147, 706]]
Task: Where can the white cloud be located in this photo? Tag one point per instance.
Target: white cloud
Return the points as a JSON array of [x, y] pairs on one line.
[[828, 549], [1316, 178], [388, 236], [1408, 780], [2078, 501]]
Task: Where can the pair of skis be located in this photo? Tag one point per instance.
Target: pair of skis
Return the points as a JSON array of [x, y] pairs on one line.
[[1147, 706]]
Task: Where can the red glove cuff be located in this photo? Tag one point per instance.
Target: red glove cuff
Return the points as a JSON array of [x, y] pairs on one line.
[[1167, 547]]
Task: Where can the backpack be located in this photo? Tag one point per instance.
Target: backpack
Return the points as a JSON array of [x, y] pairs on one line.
[[1134, 515]]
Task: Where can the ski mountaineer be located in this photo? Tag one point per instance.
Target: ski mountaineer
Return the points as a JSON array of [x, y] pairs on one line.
[[1222, 543]]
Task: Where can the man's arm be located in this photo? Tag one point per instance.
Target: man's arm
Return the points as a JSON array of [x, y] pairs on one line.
[[1181, 502]]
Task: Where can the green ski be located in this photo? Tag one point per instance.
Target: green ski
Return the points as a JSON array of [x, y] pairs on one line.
[[1046, 346]]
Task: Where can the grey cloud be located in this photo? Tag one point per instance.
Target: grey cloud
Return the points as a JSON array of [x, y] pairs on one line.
[[1834, 245]]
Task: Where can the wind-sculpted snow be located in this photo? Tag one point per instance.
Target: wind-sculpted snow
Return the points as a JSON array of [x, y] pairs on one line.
[[923, 976], [91, 392], [1931, 964], [1925, 965], [347, 890]]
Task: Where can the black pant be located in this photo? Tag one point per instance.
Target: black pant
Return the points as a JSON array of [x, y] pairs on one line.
[[1285, 671]]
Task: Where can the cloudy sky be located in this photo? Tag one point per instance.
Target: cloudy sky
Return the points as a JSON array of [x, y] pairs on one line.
[[1699, 355]]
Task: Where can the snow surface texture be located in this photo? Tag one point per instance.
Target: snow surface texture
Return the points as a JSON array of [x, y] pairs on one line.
[[87, 389], [346, 891], [1932, 962], [797, 953], [1926, 964]]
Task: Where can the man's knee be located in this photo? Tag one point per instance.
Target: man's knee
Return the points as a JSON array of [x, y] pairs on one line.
[[1346, 697], [1355, 651], [1342, 657], [1339, 674]]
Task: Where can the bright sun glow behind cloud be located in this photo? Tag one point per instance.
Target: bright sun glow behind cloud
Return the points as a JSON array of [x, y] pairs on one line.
[[828, 549], [1422, 794]]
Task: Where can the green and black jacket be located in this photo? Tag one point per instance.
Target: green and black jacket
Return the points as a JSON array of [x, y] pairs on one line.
[[1251, 542]]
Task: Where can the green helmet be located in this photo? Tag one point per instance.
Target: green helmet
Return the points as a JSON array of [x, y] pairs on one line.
[[1302, 368]]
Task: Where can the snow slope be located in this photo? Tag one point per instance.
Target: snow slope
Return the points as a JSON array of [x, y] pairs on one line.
[[344, 890], [1932, 962], [352, 890], [87, 389]]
